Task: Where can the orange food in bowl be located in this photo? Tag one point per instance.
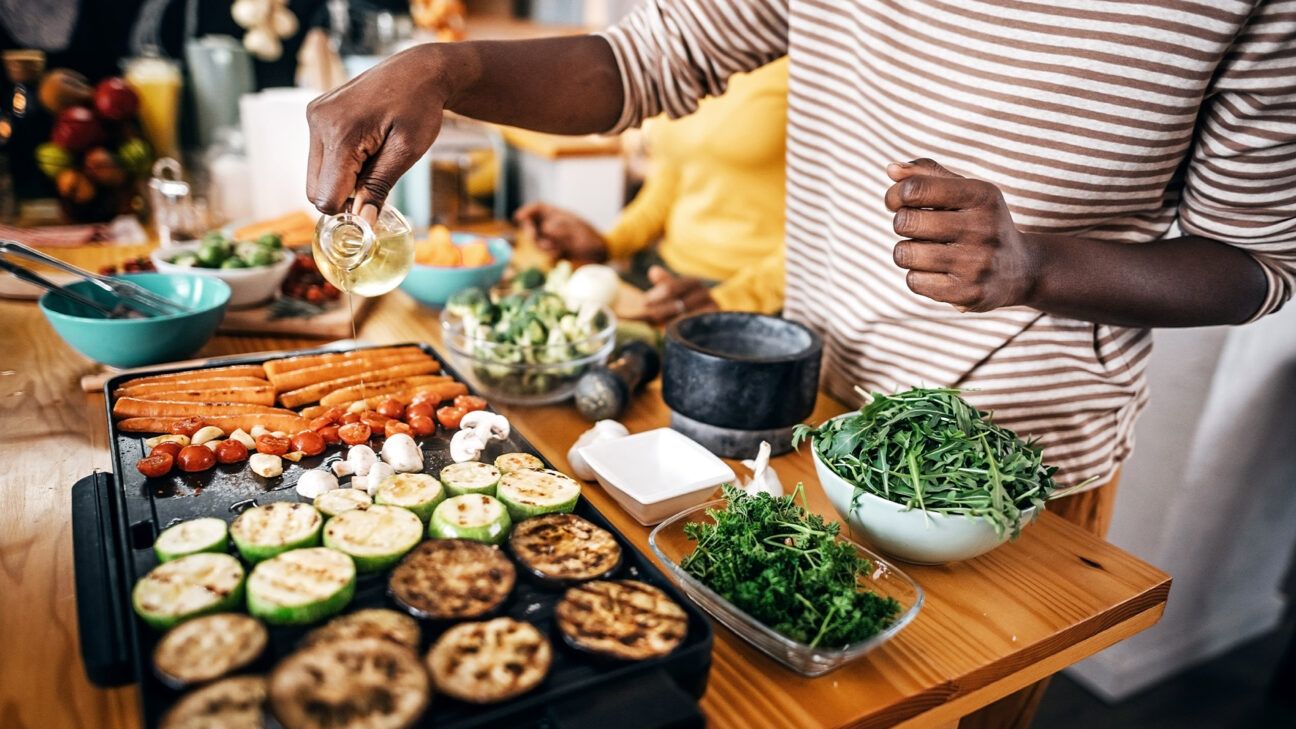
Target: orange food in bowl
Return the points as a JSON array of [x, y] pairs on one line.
[[476, 254], [439, 250]]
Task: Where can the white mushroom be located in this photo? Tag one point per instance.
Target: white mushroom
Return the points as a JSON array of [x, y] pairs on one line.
[[489, 426], [315, 482], [466, 445], [361, 458], [403, 454], [377, 474], [266, 465]]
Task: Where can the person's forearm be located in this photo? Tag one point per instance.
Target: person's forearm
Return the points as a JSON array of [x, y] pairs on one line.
[[568, 85], [1182, 282]]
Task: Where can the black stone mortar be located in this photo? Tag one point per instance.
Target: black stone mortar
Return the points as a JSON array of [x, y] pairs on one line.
[[734, 379]]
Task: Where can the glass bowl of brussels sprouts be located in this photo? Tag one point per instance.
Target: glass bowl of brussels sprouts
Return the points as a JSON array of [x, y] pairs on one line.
[[254, 269], [525, 348]]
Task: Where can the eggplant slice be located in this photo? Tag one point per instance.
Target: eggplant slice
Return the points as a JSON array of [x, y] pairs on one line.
[[206, 648], [234, 703], [565, 548], [452, 579], [366, 682], [491, 661], [625, 619], [379, 623]]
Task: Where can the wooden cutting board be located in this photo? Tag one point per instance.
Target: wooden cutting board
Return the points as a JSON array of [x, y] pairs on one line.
[[333, 323]]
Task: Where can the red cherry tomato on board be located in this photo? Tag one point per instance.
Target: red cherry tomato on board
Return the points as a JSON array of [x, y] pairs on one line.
[[195, 458], [354, 433], [395, 426], [419, 410], [273, 445], [231, 451], [349, 418], [391, 408], [186, 427], [156, 465], [170, 448], [449, 416], [330, 434], [422, 425], [469, 403], [308, 442]]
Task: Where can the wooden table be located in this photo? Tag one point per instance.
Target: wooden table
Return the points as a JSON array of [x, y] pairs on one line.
[[989, 626]]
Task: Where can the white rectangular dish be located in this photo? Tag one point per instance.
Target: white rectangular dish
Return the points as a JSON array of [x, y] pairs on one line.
[[657, 473]]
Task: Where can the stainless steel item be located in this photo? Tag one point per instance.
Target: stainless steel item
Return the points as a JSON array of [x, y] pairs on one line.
[[176, 213], [31, 277], [132, 296]]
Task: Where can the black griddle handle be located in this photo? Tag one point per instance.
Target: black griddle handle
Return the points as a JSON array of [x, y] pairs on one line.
[[648, 701], [101, 615]]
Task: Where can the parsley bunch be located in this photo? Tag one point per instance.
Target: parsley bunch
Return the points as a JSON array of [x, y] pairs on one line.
[[929, 449], [786, 568]]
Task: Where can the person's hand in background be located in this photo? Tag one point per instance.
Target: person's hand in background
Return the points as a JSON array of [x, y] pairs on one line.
[[674, 296], [561, 233]]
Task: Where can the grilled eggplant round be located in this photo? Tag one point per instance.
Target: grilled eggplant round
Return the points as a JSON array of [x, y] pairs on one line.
[[380, 623], [365, 682], [265, 531], [624, 619], [234, 703], [206, 648], [489, 661], [565, 548], [452, 579]]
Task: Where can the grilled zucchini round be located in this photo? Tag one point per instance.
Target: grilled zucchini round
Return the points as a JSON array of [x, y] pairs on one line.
[[532, 493], [301, 586], [492, 661], [375, 538], [187, 587], [265, 531], [509, 462], [332, 503], [364, 683], [207, 534], [452, 579], [234, 703], [565, 548], [418, 492], [470, 477], [380, 623], [206, 648], [625, 619], [478, 517]]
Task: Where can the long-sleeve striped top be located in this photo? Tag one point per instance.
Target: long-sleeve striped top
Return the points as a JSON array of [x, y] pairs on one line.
[[1125, 121]]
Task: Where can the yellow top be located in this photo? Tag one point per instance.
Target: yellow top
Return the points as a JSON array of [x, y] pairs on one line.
[[715, 194]]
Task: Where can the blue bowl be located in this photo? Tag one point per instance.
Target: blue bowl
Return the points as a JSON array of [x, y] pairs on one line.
[[137, 342], [433, 285]]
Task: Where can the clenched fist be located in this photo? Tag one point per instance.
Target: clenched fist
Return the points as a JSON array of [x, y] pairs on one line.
[[961, 246]]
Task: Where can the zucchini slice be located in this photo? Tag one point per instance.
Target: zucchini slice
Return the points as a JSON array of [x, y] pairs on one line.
[[363, 683], [470, 477], [207, 534], [206, 648], [265, 531], [187, 587], [234, 703], [380, 623], [565, 548], [510, 462], [478, 517], [532, 493], [332, 503], [452, 579], [375, 538], [625, 619], [487, 662], [301, 586], [418, 492]]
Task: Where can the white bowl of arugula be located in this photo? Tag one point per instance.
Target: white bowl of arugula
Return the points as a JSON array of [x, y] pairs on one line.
[[927, 478], [784, 580]]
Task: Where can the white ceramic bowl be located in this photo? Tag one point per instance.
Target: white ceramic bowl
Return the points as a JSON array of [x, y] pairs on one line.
[[248, 286], [657, 473], [910, 535]]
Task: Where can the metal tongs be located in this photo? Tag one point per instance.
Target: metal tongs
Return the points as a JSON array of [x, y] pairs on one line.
[[131, 296]]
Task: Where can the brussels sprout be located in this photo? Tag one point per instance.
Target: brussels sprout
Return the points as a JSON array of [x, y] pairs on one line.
[[215, 237], [212, 253], [270, 240], [188, 260], [233, 262], [527, 279]]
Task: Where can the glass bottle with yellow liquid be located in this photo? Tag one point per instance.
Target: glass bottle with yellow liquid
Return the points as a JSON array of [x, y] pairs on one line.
[[362, 259]]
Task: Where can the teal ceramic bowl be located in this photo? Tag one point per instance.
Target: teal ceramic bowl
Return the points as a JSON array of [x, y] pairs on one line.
[[138, 342], [433, 285]]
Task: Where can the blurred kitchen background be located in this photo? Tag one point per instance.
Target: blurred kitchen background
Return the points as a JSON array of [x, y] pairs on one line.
[[1209, 496]]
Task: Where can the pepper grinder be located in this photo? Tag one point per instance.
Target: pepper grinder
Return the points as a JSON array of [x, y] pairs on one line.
[[603, 393]]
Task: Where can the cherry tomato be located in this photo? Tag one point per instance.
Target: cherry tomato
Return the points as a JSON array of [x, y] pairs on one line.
[[170, 448], [422, 410], [469, 403], [187, 427], [319, 423], [377, 422], [330, 434], [395, 426], [308, 442], [195, 458], [349, 418], [272, 445], [334, 414], [231, 451], [157, 465], [449, 416], [422, 425], [391, 408], [354, 433]]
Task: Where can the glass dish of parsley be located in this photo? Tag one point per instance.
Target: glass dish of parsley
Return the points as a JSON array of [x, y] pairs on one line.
[[784, 580]]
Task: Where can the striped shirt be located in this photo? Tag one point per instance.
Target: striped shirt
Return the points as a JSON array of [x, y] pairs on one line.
[[1124, 121]]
